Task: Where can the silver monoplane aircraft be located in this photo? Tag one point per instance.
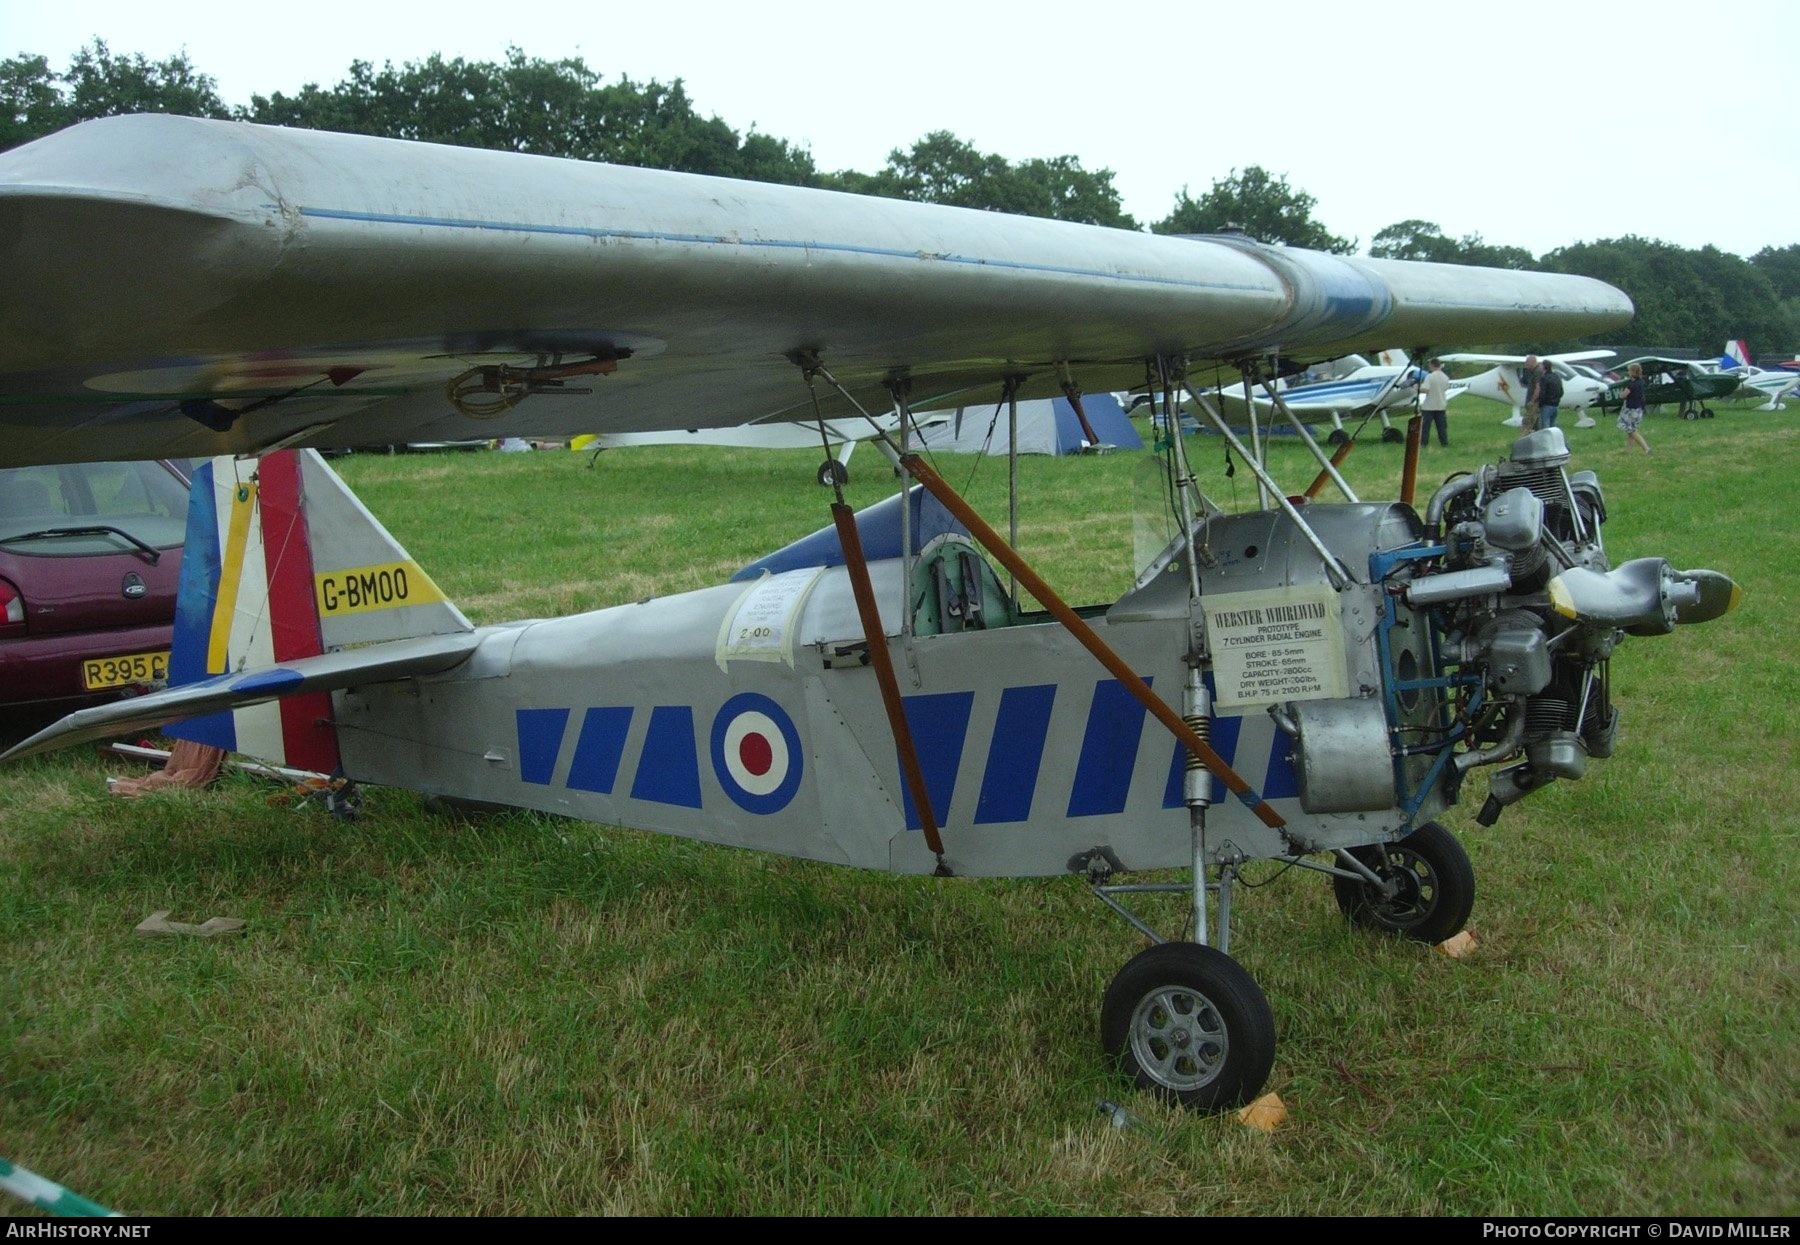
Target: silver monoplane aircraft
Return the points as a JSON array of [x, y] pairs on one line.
[[1309, 683]]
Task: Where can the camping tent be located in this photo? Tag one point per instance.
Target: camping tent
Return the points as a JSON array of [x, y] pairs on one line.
[[1046, 426]]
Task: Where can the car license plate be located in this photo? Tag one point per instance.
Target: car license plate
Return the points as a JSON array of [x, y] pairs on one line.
[[105, 672]]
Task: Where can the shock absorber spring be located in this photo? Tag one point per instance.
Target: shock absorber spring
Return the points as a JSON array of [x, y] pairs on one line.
[[1196, 779]]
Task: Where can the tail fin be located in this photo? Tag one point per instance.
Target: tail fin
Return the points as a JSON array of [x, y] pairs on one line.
[[1738, 352], [283, 562]]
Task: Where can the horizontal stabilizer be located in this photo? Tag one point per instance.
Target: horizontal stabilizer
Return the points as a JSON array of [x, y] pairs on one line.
[[380, 663]]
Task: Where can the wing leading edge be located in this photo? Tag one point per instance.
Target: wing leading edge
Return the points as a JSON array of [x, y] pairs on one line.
[[180, 286]]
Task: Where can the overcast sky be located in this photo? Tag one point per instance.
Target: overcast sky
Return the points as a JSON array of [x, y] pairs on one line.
[[1533, 124]]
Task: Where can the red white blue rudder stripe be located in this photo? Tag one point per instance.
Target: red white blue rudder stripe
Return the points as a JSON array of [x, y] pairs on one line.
[[283, 562]]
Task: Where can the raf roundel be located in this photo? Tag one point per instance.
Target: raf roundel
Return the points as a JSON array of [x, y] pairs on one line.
[[756, 753]]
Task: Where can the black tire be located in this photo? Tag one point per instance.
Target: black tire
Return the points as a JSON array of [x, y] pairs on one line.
[[1690, 414], [831, 472], [1190, 1025], [1338, 437], [1437, 886], [1706, 412], [1392, 436]]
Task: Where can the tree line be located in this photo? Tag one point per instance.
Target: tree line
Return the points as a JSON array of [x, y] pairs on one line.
[[1699, 298]]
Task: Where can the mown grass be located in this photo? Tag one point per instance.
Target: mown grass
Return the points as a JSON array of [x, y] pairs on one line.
[[520, 1015]]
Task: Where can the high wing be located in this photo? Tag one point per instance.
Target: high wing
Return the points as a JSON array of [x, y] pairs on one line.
[[179, 286], [1573, 356], [1695, 378], [1660, 363]]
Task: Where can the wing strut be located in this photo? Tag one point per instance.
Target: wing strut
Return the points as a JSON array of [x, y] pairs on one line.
[[1072, 392], [1335, 571], [1328, 467], [1090, 640], [1072, 622], [1409, 471], [858, 567]]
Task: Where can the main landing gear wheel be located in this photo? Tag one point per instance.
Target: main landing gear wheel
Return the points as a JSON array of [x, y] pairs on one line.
[[831, 472], [1187, 1023], [1706, 412], [1392, 436], [1435, 889], [1338, 437], [1690, 414]]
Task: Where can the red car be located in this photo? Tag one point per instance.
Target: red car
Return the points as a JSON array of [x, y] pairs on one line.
[[90, 560]]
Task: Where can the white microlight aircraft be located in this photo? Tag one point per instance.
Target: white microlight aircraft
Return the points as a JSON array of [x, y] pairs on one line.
[[1582, 387], [1305, 683]]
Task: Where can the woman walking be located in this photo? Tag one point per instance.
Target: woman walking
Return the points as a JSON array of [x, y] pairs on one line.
[[1631, 412]]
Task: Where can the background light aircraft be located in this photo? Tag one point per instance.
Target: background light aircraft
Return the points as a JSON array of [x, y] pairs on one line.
[[1582, 386], [1333, 389], [1686, 384], [1771, 385], [1309, 684]]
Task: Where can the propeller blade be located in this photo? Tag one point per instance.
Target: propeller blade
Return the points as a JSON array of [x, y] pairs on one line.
[[1644, 596], [1629, 596]]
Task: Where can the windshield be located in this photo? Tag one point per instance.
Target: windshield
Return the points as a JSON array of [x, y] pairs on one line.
[[43, 509], [1156, 514]]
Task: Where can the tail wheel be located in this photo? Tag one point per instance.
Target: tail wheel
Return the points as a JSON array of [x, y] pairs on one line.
[[1187, 1023], [1434, 889]]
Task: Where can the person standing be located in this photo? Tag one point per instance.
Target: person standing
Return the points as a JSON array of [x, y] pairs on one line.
[[1434, 403], [1548, 395], [1631, 411], [1528, 385]]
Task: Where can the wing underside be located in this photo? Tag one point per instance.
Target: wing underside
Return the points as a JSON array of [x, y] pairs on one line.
[[186, 287]]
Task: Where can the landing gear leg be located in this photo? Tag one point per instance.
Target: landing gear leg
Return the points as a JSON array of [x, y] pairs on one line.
[[1184, 1020]]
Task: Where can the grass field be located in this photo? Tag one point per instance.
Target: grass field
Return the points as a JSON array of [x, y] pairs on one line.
[[524, 1016]]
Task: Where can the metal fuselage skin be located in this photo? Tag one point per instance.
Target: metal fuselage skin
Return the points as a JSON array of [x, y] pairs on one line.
[[646, 715]]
